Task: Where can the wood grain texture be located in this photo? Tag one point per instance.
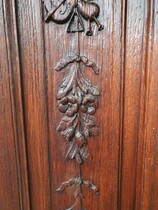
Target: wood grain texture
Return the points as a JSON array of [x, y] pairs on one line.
[[60, 169], [134, 70], [105, 48], [124, 154], [31, 45], [13, 167], [101, 169], [150, 175], [139, 97], [37, 75]]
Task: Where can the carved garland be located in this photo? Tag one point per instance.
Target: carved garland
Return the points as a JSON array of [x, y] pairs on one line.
[[77, 96]]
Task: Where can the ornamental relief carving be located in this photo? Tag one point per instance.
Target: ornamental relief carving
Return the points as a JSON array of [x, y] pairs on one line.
[[77, 96], [74, 12]]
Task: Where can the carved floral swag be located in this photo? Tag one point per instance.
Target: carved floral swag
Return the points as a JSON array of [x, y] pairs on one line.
[[77, 97]]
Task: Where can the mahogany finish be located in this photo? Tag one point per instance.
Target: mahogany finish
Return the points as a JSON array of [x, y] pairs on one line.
[[124, 154]]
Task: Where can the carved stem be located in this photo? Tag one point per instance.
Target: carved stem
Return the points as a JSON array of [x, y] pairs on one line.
[[80, 188], [80, 170]]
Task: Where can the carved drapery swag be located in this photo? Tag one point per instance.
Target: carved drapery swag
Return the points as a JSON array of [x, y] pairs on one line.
[[77, 97]]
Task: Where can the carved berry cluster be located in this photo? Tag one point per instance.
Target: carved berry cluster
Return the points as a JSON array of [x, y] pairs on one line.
[[71, 104], [78, 102]]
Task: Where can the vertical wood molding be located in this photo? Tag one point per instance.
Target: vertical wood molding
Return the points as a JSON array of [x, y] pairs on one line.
[[34, 90], [139, 102], [132, 144], [150, 172], [14, 179]]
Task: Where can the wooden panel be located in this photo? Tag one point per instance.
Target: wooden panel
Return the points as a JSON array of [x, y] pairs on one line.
[[41, 48], [150, 185], [125, 152], [136, 32], [103, 169], [13, 174]]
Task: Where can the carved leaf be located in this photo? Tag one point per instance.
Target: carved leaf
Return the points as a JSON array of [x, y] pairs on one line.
[[65, 123], [86, 86], [88, 120], [91, 64], [65, 61], [84, 152], [91, 88], [90, 127], [69, 183], [94, 131], [91, 186], [69, 133], [72, 151], [66, 84], [73, 206]]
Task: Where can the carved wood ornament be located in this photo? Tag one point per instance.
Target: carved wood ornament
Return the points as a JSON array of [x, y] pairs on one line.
[[77, 97]]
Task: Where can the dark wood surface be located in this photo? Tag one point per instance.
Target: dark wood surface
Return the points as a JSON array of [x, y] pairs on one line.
[[32, 152], [13, 165]]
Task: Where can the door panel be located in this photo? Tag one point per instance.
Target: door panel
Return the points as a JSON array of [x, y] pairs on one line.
[[46, 150], [123, 155]]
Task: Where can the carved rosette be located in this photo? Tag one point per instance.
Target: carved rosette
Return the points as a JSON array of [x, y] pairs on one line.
[[77, 97]]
